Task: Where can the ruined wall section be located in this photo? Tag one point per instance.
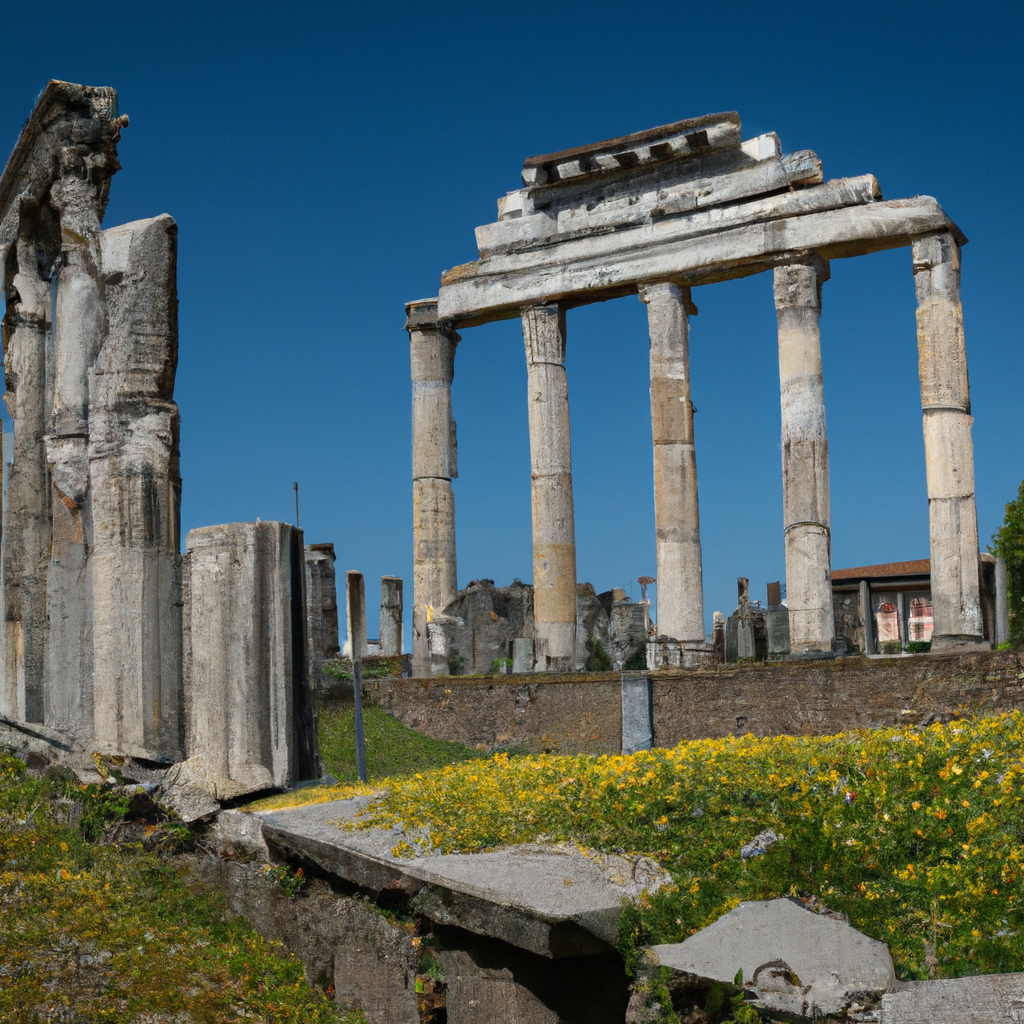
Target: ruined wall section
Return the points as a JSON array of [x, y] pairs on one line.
[[89, 571]]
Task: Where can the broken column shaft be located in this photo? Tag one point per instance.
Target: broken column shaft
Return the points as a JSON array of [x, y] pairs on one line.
[[554, 533], [805, 489], [432, 356], [390, 615], [677, 521], [948, 448]]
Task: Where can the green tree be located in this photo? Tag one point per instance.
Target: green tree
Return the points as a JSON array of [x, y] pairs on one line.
[[1008, 543]]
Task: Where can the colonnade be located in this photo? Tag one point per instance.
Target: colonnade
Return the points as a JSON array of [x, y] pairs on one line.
[[798, 281]]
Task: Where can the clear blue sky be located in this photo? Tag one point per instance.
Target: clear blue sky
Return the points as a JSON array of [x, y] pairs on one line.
[[325, 162]]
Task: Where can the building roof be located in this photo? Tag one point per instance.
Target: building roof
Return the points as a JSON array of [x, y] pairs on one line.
[[917, 567]]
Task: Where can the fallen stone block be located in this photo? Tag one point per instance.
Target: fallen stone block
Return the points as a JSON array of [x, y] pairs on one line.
[[794, 961], [555, 900], [985, 999]]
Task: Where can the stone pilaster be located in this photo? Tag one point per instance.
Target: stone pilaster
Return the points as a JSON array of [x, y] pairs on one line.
[[805, 490], [677, 521], [948, 448], [434, 466], [554, 533]]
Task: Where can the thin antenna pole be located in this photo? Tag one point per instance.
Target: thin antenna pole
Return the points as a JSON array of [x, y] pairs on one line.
[[295, 484]]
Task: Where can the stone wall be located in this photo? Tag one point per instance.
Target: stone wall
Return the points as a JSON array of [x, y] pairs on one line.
[[583, 713], [567, 714]]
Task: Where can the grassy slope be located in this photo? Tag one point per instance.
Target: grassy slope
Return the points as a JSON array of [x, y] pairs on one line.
[[917, 835], [93, 932], [391, 748]]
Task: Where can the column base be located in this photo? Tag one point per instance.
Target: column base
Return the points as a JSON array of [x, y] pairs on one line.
[[664, 652], [953, 643], [809, 656]]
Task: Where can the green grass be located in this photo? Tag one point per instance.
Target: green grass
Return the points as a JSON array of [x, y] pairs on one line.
[[391, 748], [113, 933]]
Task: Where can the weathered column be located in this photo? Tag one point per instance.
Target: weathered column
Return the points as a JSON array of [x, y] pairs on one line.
[[135, 487], [434, 466], [868, 616], [249, 715], [321, 607], [677, 521], [26, 534], [948, 448], [390, 615], [805, 494], [355, 613], [554, 532]]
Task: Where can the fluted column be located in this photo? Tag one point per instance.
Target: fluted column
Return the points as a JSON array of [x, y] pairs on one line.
[[677, 521], [948, 448], [554, 531], [805, 490], [434, 466]]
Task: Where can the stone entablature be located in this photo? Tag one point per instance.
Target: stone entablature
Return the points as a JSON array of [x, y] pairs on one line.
[[656, 214]]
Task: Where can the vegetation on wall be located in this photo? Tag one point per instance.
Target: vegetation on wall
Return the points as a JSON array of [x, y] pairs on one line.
[[1008, 543]]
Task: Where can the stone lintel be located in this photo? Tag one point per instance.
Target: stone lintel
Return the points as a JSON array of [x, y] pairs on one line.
[[581, 271]]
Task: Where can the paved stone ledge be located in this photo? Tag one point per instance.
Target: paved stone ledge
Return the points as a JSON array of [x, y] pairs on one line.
[[556, 901]]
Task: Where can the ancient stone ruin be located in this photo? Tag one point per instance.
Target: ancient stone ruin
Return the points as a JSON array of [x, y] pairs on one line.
[[90, 574], [93, 590], [656, 214]]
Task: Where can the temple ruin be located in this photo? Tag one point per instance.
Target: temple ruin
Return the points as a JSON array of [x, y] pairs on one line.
[[657, 214]]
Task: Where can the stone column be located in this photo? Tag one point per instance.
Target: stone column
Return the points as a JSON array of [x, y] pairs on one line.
[[868, 616], [390, 615], [948, 448], [680, 582], [26, 533], [554, 532], [434, 466], [355, 613], [805, 495], [321, 607]]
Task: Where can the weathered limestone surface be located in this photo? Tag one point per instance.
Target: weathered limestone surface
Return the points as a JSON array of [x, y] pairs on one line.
[[321, 607], [91, 586], [554, 531], [680, 580], [434, 466], [949, 450], [249, 719], [794, 961], [552, 900], [983, 999], [805, 491], [390, 615], [355, 613]]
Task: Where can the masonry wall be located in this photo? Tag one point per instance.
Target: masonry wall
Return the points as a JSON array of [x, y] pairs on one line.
[[570, 714], [583, 713]]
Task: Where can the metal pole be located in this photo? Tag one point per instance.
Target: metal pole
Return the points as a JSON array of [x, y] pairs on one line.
[[295, 484]]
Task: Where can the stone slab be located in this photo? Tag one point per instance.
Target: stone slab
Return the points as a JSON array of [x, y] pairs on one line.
[[637, 723], [984, 999], [793, 960], [556, 900]]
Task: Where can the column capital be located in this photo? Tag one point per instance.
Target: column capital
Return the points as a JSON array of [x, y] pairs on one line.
[[544, 333], [798, 282], [652, 291]]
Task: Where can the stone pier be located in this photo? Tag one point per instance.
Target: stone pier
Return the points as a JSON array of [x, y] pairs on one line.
[[554, 532], [805, 492], [248, 711], [677, 521], [434, 466], [390, 615], [948, 448]]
